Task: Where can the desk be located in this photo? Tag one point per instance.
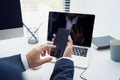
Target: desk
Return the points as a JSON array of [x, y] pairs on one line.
[[9, 47], [20, 45]]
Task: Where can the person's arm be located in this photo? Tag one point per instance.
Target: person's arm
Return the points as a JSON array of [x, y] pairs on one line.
[[12, 66], [63, 70], [64, 67], [32, 59], [9, 72], [14, 61]]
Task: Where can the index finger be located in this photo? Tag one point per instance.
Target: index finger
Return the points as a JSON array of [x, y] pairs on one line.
[[46, 47], [70, 40]]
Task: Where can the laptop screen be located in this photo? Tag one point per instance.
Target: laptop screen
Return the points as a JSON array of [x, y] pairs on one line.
[[80, 26]]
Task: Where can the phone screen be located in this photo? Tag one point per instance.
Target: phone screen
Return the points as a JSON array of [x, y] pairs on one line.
[[60, 42]]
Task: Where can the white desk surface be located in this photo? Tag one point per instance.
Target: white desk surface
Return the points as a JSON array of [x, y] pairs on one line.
[[101, 68], [19, 45]]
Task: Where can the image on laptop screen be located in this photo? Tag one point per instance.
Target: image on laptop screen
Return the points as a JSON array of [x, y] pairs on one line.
[[80, 26]]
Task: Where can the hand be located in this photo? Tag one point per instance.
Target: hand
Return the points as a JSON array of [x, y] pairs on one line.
[[33, 57], [68, 49]]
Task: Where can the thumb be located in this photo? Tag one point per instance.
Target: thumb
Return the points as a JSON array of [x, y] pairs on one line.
[[45, 60]]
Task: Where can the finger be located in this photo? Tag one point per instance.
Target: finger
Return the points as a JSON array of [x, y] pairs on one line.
[[53, 40], [48, 50], [70, 40], [54, 36], [43, 53], [45, 47], [45, 60]]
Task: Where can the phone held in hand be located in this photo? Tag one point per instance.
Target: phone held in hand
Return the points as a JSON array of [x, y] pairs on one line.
[[60, 42]]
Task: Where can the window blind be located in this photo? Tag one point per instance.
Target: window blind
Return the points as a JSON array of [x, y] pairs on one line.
[[67, 5], [56, 5]]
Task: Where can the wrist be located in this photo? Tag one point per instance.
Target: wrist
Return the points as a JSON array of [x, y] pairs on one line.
[[24, 61], [28, 60], [69, 58]]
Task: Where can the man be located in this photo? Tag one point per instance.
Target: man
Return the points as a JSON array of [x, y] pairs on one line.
[[11, 67]]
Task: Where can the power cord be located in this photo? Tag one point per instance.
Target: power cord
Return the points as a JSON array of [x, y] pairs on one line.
[[82, 72]]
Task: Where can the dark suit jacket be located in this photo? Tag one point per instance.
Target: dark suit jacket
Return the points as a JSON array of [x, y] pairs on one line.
[[11, 68], [63, 70]]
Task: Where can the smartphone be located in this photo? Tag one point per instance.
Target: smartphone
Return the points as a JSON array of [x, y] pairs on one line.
[[60, 42]]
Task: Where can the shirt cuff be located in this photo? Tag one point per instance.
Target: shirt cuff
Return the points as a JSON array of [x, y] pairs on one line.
[[24, 61], [66, 58]]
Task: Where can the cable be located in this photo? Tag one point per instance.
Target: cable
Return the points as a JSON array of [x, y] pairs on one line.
[[82, 74]]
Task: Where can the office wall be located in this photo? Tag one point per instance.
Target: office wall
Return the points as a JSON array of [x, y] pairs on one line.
[[107, 21]]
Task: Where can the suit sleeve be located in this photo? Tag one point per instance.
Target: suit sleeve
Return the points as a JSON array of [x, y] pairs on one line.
[[9, 72], [63, 70], [15, 61]]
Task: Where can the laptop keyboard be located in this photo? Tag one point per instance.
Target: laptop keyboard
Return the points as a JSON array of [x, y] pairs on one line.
[[80, 51]]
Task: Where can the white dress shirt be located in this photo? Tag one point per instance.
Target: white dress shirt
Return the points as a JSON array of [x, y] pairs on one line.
[[25, 63]]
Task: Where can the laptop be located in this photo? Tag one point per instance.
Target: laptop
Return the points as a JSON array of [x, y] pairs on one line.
[[81, 29]]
